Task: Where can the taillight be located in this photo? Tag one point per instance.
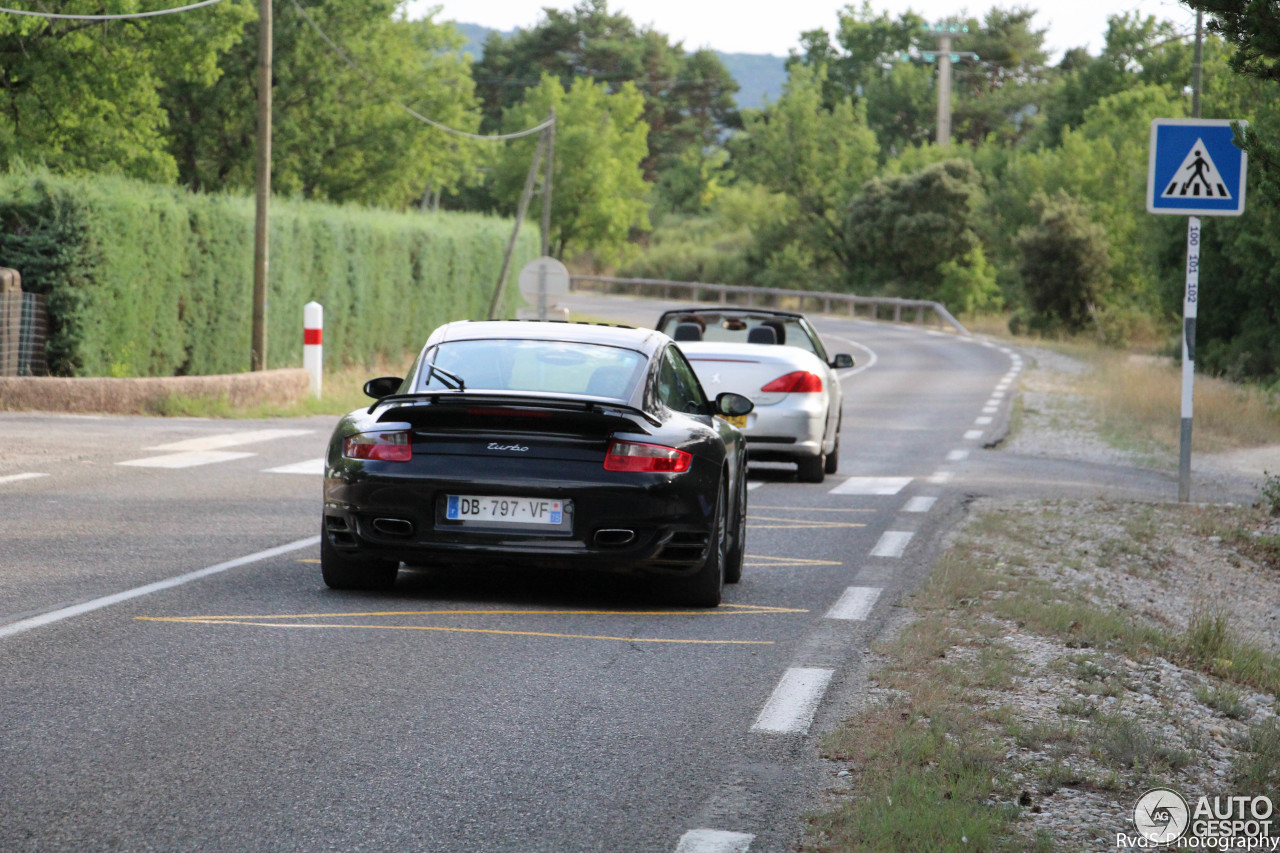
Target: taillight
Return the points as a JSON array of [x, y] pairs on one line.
[[799, 382], [634, 456], [381, 446]]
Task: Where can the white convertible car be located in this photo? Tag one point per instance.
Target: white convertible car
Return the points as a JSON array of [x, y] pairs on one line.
[[778, 360]]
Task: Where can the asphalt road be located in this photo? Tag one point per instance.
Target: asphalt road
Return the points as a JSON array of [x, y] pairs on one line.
[[148, 704]]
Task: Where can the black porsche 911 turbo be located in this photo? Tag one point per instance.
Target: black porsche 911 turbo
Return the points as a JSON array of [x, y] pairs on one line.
[[550, 444]]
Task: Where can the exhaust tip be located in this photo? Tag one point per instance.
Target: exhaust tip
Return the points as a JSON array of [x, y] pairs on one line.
[[614, 536], [393, 526]]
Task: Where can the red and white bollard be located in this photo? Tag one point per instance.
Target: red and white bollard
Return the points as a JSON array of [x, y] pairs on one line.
[[313, 343]]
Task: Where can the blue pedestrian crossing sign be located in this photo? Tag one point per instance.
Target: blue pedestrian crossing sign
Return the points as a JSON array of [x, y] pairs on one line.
[[1195, 168]]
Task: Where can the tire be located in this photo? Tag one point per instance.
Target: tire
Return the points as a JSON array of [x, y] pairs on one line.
[[342, 571], [812, 469], [833, 458], [738, 549], [706, 586]]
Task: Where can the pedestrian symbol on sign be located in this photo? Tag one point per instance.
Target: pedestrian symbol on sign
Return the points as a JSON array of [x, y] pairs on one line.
[[1197, 177]]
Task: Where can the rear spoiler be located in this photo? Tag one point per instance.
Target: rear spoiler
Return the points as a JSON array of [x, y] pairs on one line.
[[512, 399]]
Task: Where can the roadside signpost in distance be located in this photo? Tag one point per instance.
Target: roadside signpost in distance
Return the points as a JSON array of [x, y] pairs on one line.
[[1194, 169]]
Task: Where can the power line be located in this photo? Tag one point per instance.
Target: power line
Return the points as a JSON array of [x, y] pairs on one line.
[[110, 17], [419, 116]]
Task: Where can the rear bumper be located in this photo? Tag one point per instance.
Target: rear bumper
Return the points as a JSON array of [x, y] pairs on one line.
[[656, 527], [786, 432]]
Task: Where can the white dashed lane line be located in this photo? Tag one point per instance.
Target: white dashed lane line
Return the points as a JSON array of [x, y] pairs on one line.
[[855, 604], [957, 455], [920, 504], [714, 841], [893, 543], [871, 486], [794, 701], [17, 478]]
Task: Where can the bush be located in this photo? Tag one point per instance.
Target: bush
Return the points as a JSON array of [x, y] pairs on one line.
[[143, 280]]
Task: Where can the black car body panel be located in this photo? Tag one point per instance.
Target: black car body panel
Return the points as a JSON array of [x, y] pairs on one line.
[[546, 448]]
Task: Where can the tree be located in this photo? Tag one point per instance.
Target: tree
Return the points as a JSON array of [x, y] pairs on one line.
[[905, 230], [1138, 52], [688, 99], [888, 63], [1065, 267], [1253, 28], [84, 95], [336, 135], [599, 194], [817, 157]]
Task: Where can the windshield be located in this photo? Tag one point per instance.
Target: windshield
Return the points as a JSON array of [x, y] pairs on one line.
[[556, 367]]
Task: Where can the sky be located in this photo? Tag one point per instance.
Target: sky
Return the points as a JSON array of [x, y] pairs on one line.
[[775, 28]]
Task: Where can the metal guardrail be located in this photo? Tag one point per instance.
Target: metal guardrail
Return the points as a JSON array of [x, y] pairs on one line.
[[817, 301]]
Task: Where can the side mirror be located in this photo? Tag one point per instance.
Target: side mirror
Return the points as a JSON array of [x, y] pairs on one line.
[[383, 386], [842, 360], [733, 405]]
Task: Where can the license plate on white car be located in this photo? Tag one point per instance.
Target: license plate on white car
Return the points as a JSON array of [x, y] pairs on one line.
[[497, 510]]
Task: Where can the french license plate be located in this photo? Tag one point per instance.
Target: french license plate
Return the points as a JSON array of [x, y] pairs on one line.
[[490, 509], [740, 421]]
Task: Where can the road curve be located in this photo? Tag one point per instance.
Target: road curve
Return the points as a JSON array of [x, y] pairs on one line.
[[177, 677]]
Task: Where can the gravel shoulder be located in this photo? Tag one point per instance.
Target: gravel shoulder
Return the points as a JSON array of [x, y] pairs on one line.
[[1080, 650]]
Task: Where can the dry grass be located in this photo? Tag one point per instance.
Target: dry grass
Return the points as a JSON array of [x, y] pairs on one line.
[[1142, 397], [341, 392]]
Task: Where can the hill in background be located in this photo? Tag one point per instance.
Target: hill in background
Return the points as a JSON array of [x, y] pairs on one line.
[[759, 75]]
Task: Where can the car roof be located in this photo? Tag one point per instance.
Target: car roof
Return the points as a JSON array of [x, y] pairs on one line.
[[646, 341]]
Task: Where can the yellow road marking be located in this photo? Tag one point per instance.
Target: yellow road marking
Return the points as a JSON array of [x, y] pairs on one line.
[[287, 620], [789, 561], [812, 509], [733, 610], [797, 523], [194, 620]]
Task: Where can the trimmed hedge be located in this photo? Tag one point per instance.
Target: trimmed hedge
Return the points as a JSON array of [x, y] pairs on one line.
[[146, 280]]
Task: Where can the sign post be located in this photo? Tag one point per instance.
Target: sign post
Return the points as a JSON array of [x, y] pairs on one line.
[[1194, 169]]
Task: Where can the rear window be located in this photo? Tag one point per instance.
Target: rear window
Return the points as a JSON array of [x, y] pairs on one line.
[[556, 367]]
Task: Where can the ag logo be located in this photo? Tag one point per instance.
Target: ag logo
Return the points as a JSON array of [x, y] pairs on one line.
[[1161, 815]]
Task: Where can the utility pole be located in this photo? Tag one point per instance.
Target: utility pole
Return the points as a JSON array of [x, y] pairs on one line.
[[945, 56], [258, 351], [1191, 299], [546, 183]]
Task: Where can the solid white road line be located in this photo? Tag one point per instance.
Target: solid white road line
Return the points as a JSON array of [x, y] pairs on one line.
[[311, 466], [920, 504], [107, 601], [866, 365], [892, 543], [15, 478], [794, 701], [714, 841], [855, 604], [186, 459], [957, 455], [871, 486]]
